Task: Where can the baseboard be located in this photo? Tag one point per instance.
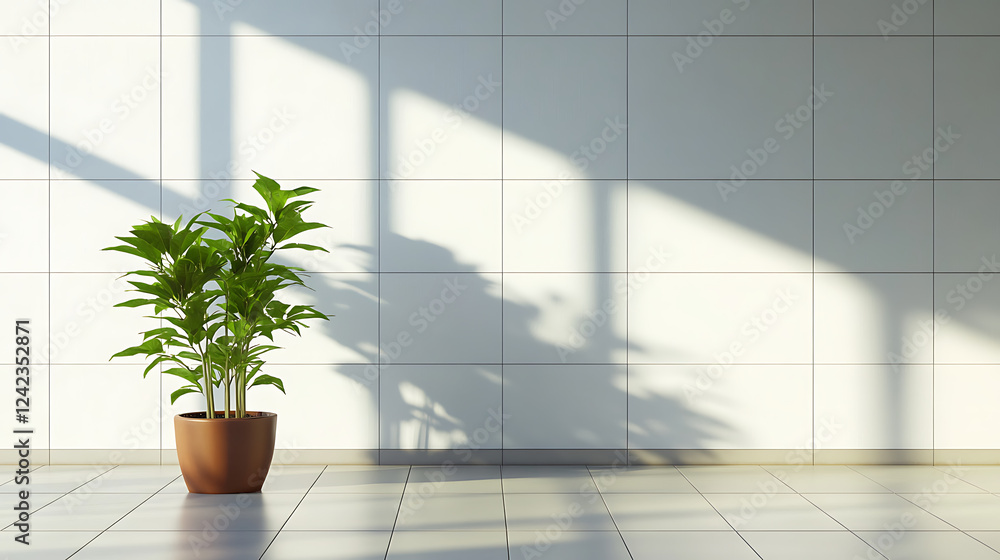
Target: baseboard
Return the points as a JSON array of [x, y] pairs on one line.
[[874, 457], [536, 457]]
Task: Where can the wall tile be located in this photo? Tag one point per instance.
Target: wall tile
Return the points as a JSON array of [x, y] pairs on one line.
[[440, 407], [86, 329], [964, 410], [720, 318], [442, 17], [24, 227], [966, 233], [441, 107], [966, 17], [78, 235], [105, 107], [302, 17], [873, 318], [85, 418], [106, 17], [440, 318], [220, 124], [744, 17], [697, 119], [593, 416], [966, 308], [874, 226], [874, 407], [564, 318], [555, 17], [966, 121], [565, 115], [879, 115], [564, 226], [440, 226], [884, 18], [24, 109], [719, 407], [765, 226]]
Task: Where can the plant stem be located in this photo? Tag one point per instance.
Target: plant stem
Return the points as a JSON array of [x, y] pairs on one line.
[[206, 366]]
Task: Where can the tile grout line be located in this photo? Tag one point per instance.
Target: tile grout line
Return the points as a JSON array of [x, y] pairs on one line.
[[378, 248], [608, 509], [711, 505], [628, 43], [48, 8], [503, 264], [108, 528], [503, 503], [933, 232], [278, 532], [402, 496], [812, 439]]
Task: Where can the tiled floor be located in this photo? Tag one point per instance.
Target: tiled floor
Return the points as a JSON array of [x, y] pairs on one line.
[[517, 512]]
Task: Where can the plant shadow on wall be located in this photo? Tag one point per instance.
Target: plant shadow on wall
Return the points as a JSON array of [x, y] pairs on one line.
[[413, 411]]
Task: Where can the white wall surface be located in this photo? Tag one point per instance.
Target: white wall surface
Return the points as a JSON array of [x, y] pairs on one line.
[[653, 224]]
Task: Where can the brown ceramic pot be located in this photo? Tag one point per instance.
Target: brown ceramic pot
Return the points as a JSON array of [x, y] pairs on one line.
[[225, 455]]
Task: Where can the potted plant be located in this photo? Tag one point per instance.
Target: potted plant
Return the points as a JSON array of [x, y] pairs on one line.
[[216, 297]]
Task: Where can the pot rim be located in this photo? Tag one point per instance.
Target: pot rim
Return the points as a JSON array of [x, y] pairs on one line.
[[261, 416]]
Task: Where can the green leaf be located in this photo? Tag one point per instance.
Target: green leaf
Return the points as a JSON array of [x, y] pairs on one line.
[[148, 348], [267, 380], [137, 302], [183, 391], [303, 191], [185, 373], [153, 364], [304, 246]]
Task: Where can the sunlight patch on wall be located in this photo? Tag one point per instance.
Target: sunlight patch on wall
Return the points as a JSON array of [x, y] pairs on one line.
[[430, 139]]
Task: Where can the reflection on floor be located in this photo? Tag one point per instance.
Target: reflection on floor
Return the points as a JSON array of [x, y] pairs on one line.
[[515, 512]]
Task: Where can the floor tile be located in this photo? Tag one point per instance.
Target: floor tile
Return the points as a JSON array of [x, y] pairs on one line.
[[568, 546], [932, 545], [676, 545], [89, 512], [664, 512], [57, 479], [643, 480], [779, 545], [447, 545], [328, 545], [733, 480], [361, 479], [875, 512], [987, 478], [345, 512], [566, 512], [454, 480], [35, 502], [547, 480], [132, 479], [45, 546], [281, 479], [916, 479], [223, 512], [451, 512], [968, 512], [171, 545], [777, 512], [825, 479], [989, 538]]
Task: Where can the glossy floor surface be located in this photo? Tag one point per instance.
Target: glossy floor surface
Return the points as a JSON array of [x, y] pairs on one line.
[[515, 512]]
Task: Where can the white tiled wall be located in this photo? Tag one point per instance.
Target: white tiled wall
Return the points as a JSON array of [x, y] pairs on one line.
[[642, 224]]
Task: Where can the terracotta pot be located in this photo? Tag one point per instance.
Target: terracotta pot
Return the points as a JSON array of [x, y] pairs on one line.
[[225, 455]]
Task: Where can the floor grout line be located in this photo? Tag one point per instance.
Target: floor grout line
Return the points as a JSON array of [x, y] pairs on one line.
[[278, 532]]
